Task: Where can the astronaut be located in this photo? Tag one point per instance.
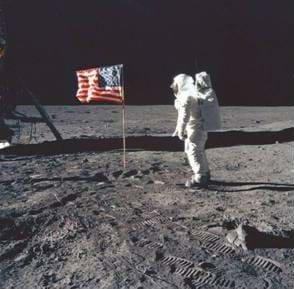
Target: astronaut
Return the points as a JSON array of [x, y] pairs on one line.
[[191, 103]]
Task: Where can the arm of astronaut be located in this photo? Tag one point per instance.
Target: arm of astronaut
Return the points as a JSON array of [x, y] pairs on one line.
[[183, 117], [176, 104]]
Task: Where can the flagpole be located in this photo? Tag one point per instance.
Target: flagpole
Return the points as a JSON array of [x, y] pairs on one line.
[[124, 136], [123, 121]]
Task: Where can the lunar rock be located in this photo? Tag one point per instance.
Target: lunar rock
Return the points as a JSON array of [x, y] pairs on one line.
[[238, 237]]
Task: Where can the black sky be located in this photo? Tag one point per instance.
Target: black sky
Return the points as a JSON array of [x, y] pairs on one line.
[[246, 45]]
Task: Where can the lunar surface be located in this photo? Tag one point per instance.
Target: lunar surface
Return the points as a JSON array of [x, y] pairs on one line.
[[72, 217]]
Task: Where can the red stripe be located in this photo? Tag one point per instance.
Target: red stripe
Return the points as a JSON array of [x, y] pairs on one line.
[[104, 99], [84, 98], [84, 86], [98, 93], [107, 95], [83, 91], [117, 96], [82, 95], [107, 90], [83, 83], [101, 90]]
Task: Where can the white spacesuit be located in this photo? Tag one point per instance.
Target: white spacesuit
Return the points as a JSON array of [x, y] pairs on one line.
[[189, 102], [208, 102]]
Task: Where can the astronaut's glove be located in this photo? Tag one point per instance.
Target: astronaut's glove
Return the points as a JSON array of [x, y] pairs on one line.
[[181, 136], [175, 133]]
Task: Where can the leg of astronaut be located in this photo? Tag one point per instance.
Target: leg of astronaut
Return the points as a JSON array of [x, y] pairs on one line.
[[205, 163], [186, 144], [195, 150]]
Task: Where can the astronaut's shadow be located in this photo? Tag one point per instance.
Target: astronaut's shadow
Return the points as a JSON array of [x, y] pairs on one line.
[[221, 186]]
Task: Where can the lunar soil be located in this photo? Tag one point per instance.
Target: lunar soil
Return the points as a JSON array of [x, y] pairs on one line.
[[79, 220]]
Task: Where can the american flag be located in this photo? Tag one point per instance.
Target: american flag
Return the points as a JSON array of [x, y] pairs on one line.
[[100, 84]]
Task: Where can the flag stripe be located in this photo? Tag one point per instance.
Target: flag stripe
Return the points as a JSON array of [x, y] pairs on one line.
[[86, 99], [104, 98], [105, 95], [82, 99], [110, 96], [114, 92], [83, 91]]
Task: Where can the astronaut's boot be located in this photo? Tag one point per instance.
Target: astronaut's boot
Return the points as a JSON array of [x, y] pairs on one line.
[[190, 183], [200, 181]]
